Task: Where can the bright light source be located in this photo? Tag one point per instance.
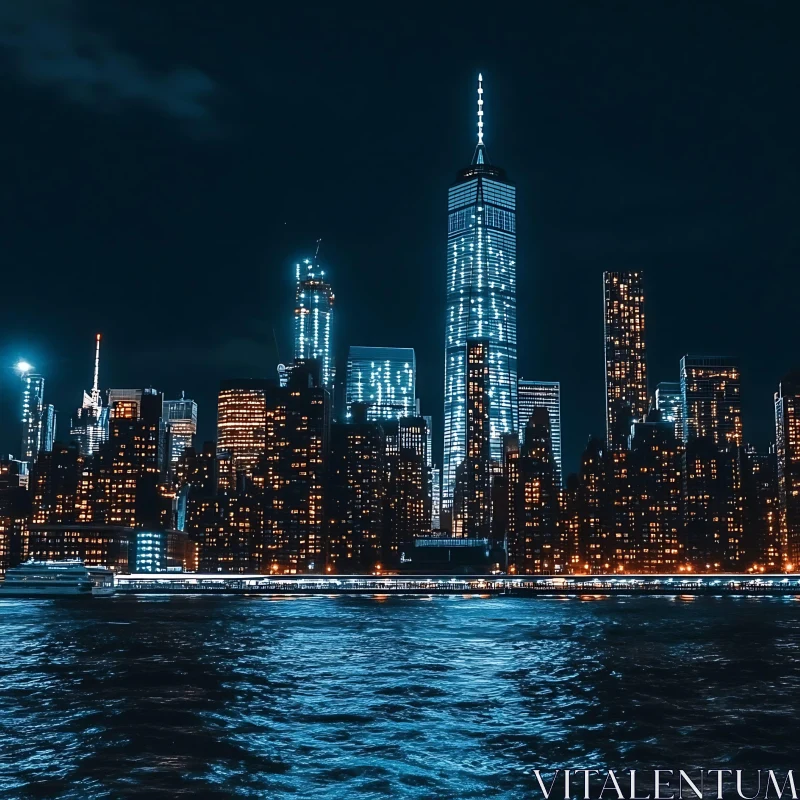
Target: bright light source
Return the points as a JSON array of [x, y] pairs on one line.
[[23, 367]]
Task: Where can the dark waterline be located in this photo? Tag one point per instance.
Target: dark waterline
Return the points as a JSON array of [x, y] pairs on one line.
[[375, 697]]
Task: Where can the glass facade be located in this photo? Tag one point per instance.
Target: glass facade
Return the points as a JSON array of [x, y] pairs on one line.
[[481, 304], [384, 378], [313, 317], [181, 419], [32, 416], [542, 394], [669, 401]]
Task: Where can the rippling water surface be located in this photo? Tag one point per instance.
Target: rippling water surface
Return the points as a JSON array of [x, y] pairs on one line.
[[334, 697]]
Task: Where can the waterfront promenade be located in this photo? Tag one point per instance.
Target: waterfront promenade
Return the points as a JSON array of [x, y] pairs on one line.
[[502, 585]]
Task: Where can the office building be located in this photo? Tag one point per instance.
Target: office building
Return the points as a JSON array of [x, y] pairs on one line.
[[480, 303], [669, 402], [534, 544], [241, 421], [54, 482], [787, 441], [655, 480], [313, 318], [38, 419], [357, 494], [383, 378], [131, 397], [712, 463], [711, 400], [293, 471], [472, 501], [626, 362], [180, 418], [543, 394]]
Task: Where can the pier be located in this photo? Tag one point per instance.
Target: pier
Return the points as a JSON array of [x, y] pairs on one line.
[[499, 585]]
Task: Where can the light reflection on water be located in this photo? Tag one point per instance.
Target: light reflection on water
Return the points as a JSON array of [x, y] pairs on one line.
[[335, 697]]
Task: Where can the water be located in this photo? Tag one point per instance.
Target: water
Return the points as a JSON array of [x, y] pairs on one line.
[[359, 697]]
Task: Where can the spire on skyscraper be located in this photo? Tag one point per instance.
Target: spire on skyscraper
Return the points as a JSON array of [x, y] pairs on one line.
[[96, 383], [480, 150]]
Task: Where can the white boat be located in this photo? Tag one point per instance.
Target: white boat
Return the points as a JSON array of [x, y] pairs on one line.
[[57, 579]]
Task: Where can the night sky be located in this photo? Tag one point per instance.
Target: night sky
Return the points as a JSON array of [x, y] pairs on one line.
[[166, 163]]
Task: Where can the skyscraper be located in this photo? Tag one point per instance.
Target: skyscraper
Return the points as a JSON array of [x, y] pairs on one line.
[[180, 417], [711, 398], [293, 475], [669, 401], [241, 422], [481, 302], [626, 363], [543, 394], [384, 378], [787, 436], [90, 425], [712, 479], [33, 414], [472, 501], [313, 317]]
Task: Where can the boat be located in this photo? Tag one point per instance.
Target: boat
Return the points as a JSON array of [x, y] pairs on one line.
[[70, 578]]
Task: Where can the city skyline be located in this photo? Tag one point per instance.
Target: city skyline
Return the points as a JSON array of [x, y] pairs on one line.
[[567, 238]]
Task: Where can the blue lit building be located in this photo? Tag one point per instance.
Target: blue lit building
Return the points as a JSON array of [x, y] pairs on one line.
[[542, 394], [669, 401], [32, 414], [313, 318], [385, 378], [481, 302]]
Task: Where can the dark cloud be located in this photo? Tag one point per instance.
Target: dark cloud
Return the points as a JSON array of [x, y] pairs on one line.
[[49, 43]]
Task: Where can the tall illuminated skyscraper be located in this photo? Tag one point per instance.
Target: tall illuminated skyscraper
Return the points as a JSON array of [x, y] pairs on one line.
[[180, 417], [787, 434], [626, 361], [313, 317], [543, 394], [481, 302], [384, 378], [38, 419], [241, 423]]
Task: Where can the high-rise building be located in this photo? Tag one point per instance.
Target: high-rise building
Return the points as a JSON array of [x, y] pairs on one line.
[[787, 441], [481, 302], [38, 419], [764, 548], [472, 501], [594, 508], [626, 363], [655, 481], [127, 465], [535, 545], [133, 397], [384, 378], [408, 506], [542, 394], [293, 471], [241, 421], [180, 417], [54, 483], [90, 425], [669, 401], [313, 317], [711, 399], [712, 462]]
